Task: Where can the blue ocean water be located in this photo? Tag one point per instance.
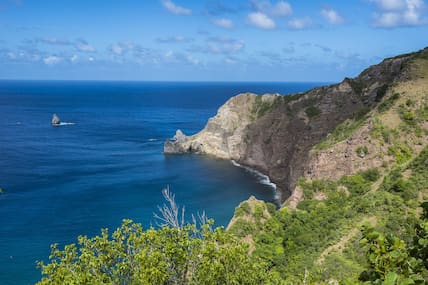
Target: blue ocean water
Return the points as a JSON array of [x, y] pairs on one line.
[[61, 182]]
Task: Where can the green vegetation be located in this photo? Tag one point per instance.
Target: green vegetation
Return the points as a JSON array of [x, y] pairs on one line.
[[401, 152], [306, 235], [341, 133], [312, 111], [371, 174], [168, 255], [408, 188], [381, 92], [367, 228], [362, 151], [344, 130], [388, 103], [1, 190], [390, 261], [242, 209], [173, 254], [290, 98], [383, 133], [260, 107], [357, 85]]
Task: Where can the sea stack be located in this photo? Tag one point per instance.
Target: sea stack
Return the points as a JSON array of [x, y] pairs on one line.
[[55, 120]]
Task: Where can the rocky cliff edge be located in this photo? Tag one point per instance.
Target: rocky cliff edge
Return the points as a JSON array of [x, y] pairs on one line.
[[281, 135]]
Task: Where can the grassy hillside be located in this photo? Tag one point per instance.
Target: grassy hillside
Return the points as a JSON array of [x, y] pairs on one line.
[[371, 172]]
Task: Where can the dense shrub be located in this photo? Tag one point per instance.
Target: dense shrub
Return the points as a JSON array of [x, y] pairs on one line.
[[312, 111], [388, 103], [362, 151], [131, 255]]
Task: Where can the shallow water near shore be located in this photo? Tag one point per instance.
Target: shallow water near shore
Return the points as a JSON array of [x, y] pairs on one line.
[[106, 163]]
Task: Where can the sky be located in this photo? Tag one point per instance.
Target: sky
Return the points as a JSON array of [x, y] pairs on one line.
[[212, 40]]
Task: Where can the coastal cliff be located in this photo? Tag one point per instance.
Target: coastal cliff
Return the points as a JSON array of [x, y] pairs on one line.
[[223, 136], [278, 135]]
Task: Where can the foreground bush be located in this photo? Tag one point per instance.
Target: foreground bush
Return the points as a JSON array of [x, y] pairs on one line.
[[173, 254]]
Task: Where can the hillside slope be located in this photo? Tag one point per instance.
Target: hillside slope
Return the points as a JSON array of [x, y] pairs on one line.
[[370, 171], [275, 134]]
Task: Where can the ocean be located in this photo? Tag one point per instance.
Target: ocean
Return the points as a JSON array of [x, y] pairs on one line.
[[107, 164]]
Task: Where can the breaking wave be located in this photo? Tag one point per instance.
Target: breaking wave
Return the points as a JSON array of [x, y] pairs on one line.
[[262, 178], [65, 124]]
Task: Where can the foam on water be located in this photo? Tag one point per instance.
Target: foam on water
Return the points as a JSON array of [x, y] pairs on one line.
[[262, 178], [66, 124]]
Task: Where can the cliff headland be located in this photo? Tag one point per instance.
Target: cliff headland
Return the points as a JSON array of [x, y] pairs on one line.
[[280, 135]]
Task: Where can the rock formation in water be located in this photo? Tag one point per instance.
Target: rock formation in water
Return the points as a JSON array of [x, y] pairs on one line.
[[275, 134], [55, 120]]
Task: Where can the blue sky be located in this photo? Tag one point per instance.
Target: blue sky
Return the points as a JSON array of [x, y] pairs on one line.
[[213, 40]]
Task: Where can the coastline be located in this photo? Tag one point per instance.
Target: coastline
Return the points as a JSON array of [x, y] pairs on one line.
[[263, 179]]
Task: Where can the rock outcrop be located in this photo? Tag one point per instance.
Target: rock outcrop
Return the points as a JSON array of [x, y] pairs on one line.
[[55, 120], [223, 135], [275, 134]]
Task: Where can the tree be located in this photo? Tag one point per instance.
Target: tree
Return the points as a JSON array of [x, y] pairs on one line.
[[389, 261], [173, 254]]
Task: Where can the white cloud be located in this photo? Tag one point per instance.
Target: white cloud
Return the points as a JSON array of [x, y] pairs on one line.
[[280, 8], [300, 24], [225, 45], [74, 58], [396, 13], [84, 46], [175, 9], [219, 45], [121, 48], [390, 5], [53, 41], [52, 60], [387, 20], [117, 49], [261, 20], [230, 60], [174, 39], [223, 23], [11, 55], [179, 58], [332, 16], [190, 59]]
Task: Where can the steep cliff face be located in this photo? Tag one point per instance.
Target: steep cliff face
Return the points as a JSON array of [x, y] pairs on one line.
[[275, 134], [223, 135]]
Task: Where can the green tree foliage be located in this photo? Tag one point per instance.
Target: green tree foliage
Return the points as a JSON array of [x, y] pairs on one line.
[[420, 240], [312, 111], [389, 260], [176, 253], [131, 255]]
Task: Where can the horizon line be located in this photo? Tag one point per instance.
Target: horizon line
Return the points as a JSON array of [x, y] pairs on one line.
[[161, 81]]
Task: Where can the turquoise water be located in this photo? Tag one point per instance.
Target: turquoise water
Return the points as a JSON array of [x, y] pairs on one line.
[[76, 179]]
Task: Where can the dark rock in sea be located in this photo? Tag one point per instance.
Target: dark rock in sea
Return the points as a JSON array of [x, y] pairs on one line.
[[55, 120]]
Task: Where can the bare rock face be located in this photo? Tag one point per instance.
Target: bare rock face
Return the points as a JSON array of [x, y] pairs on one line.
[[55, 120], [223, 137], [275, 134]]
